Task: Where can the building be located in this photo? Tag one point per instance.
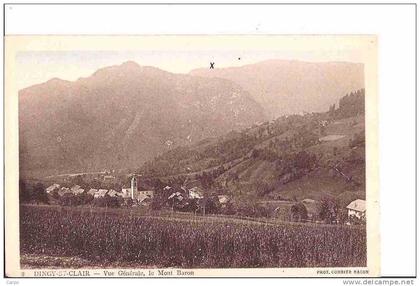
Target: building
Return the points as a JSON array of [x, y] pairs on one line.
[[63, 191], [144, 199], [74, 188], [195, 193], [132, 191], [147, 193], [176, 196], [52, 188], [78, 191], [134, 188], [126, 192], [113, 193], [223, 199], [109, 178], [92, 192], [357, 209], [100, 193]]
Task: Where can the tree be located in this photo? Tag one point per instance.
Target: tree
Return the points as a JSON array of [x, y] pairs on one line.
[[24, 195], [78, 180], [209, 204], [299, 212], [68, 199], [263, 188], [255, 153], [329, 210], [39, 194], [106, 201], [331, 110]]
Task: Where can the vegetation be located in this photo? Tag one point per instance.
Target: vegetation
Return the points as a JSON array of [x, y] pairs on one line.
[[109, 239], [352, 104], [272, 158], [286, 159], [32, 193]]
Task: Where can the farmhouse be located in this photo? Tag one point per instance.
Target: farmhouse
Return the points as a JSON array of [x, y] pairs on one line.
[[357, 209], [77, 190]]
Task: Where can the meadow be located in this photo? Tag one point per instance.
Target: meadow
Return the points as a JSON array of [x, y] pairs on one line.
[[113, 239]]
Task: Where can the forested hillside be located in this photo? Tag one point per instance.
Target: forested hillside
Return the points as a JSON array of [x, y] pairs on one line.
[[297, 156]]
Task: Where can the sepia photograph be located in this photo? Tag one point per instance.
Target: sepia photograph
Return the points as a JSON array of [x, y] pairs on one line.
[[160, 152]]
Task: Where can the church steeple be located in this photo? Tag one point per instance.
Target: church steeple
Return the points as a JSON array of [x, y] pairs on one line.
[[134, 188]]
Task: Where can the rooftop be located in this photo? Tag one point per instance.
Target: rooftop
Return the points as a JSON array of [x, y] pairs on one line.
[[357, 205]]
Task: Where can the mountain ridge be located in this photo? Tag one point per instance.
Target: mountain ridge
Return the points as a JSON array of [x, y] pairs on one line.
[[292, 86], [124, 114]]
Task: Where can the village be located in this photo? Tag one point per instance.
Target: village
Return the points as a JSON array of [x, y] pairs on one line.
[[192, 197]]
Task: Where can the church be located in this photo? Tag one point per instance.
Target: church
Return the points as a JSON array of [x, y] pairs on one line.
[[134, 193]]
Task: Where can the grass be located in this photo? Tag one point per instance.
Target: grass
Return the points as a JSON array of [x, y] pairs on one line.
[[116, 238]]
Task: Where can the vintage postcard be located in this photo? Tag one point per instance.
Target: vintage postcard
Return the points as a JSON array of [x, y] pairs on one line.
[[191, 156]]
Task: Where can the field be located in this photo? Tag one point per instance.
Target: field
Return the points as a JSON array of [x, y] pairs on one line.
[[121, 239]]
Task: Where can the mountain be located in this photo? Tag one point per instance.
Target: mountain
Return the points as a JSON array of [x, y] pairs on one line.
[[123, 115], [296, 156], [291, 87]]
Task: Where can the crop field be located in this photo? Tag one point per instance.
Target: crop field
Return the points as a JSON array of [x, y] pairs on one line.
[[113, 239]]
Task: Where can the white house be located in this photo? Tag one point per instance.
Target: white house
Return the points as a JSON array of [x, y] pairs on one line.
[[195, 193], [52, 188], [176, 195], [100, 193], [79, 191], [113, 193], [75, 188], [223, 199], [357, 209]]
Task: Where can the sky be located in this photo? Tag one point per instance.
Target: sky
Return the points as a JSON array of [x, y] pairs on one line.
[[34, 67]]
